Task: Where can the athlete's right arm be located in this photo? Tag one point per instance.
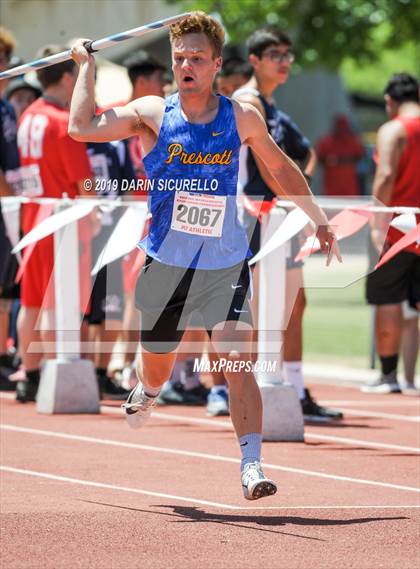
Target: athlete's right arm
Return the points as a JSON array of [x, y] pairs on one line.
[[114, 124]]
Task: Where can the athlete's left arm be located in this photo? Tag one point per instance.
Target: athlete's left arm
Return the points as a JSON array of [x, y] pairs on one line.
[[253, 132], [389, 146]]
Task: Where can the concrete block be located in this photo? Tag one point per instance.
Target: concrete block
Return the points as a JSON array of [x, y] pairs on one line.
[[68, 387], [282, 413]]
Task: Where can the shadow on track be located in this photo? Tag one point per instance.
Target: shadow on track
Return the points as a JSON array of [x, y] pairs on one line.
[[194, 514]]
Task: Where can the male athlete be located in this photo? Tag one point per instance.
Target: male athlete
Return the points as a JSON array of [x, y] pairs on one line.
[[396, 183], [196, 247]]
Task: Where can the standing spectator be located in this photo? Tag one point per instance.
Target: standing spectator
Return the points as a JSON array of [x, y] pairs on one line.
[[56, 165], [271, 56], [9, 164], [111, 165], [235, 72], [147, 76], [339, 153], [396, 183], [21, 93]]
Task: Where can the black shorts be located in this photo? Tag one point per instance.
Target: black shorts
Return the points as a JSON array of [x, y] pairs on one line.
[[396, 281], [8, 266], [107, 297], [167, 295], [253, 229]]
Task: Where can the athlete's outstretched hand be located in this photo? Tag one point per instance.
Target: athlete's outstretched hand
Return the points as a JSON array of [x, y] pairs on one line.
[[328, 243], [79, 53]]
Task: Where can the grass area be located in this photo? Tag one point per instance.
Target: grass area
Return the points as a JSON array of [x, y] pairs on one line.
[[370, 78], [337, 319]]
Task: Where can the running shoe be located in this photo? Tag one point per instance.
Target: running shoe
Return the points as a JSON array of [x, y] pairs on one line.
[[218, 402], [8, 366], [200, 392], [109, 389], [410, 389], [383, 384], [255, 485], [175, 394], [26, 391], [314, 412], [138, 407]]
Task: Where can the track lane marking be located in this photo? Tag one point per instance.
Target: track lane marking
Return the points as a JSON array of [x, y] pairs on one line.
[[199, 501], [367, 444], [114, 487], [227, 424], [380, 415], [350, 412], [315, 436], [412, 402], [49, 476], [206, 456]]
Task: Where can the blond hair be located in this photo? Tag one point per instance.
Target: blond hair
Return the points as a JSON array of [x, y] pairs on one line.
[[200, 23], [7, 41]]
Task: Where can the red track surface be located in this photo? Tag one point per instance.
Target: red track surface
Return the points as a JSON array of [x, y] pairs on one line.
[[197, 516]]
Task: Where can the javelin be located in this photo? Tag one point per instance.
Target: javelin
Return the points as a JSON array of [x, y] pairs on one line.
[[92, 46]]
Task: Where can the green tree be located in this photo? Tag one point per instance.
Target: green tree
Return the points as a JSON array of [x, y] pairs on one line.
[[324, 31]]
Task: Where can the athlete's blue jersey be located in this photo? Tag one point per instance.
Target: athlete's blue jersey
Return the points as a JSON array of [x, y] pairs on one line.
[[193, 173]]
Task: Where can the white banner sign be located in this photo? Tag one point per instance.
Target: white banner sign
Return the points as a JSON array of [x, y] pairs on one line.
[[55, 222], [294, 222]]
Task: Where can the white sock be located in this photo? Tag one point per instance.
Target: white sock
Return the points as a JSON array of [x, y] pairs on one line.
[[293, 374], [250, 448], [151, 391]]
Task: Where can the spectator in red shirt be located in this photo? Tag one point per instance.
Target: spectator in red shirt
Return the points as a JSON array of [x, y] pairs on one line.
[[339, 152], [55, 165], [396, 183], [147, 77]]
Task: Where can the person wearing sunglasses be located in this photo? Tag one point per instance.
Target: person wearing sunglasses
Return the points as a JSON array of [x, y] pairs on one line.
[[271, 56]]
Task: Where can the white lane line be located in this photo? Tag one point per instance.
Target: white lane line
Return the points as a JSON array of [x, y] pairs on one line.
[[308, 435], [413, 402], [114, 487], [195, 500], [227, 424], [320, 437], [355, 412], [352, 412], [206, 456], [380, 415]]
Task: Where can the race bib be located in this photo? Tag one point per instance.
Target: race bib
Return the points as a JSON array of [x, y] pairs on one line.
[[198, 214], [26, 181]]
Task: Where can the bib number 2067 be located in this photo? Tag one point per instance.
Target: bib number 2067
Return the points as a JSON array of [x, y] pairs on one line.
[[198, 214]]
